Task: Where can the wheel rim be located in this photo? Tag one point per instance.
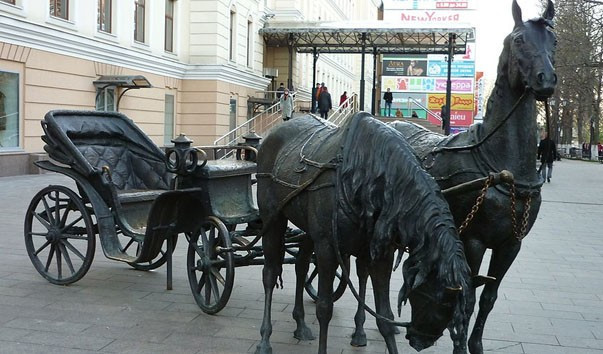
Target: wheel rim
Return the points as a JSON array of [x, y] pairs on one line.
[[210, 266], [59, 236], [311, 283]]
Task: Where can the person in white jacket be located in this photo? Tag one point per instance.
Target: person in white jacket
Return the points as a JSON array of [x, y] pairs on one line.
[[286, 105]]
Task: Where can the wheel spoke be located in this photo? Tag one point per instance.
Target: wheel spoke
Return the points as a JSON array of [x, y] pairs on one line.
[[42, 248], [47, 210], [312, 276], [67, 258], [125, 249], [37, 234], [206, 245], [198, 249], [56, 207], [73, 249], [201, 283], [49, 258], [207, 290], [59, 262], [42, 220], [218, 276], [214, 287], [72, 223], [67, 210]]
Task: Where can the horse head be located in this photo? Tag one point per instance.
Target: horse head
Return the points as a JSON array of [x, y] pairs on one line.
[[531, 49], [438, 299]]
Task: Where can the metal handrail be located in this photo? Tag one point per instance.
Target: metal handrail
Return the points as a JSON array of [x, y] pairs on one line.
[[345, 110], [436, 115]]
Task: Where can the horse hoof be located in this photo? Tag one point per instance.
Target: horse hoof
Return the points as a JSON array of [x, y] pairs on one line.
[[358, 340], [263, 349], [303, 334], [476, 348]]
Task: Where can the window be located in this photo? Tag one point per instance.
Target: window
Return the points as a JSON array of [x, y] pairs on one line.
[[59, 8], [105, 99], [139, 20], [249, 42], [233, 118], [168, 128], [9, 110], [104, 15], [12, 2], [233, 33], [169, 25]]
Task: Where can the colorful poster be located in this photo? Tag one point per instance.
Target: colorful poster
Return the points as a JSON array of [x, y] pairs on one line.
[[461, 118], [425, 84], [458, 68], [459, 102], [405, 67], [469, 55]]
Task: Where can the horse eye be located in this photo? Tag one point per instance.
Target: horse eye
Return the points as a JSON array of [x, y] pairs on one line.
[[518, 40]]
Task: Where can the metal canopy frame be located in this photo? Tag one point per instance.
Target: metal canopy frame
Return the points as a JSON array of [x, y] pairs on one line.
[[350, 37], [356, 37]]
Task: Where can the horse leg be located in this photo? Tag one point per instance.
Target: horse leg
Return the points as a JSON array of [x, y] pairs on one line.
[[474, 251], [302, 332], [380, 272], [273, 268], [327, 265], [359, 336], [501, 261]]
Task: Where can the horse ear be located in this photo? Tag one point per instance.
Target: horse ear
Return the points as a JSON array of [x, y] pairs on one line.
[[549, 13], [517, 14]]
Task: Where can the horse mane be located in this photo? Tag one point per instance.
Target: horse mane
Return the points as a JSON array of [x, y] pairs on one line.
[[397, 203]]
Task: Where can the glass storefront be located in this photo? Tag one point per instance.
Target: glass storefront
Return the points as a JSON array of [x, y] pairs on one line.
[[9, 110]]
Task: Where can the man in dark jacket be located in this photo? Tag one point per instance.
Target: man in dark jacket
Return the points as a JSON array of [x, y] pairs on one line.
[[324, 102], [547, 153], [388, 97]]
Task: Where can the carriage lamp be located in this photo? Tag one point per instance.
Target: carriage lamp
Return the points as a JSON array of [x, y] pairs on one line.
[[251, 139], [182, 158]]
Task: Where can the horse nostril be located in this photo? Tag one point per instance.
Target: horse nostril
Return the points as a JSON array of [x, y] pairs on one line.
[[555, 78], [540, 77]]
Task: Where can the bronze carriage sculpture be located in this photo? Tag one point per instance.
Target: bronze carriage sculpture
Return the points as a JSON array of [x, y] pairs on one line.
[[138, 199]]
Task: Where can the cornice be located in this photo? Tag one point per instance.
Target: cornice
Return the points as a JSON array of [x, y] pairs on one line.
[[27, 34]]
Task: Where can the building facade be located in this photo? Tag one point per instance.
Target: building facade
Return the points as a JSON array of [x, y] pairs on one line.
[[203, 59]]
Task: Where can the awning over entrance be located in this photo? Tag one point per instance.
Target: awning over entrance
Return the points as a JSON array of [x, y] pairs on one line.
[[351, 37]]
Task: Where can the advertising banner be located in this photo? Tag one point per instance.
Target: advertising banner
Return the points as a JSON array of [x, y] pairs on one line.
[[428, 17], [461, 118], [405, 67], [432, 4], [459, 102], [425, 84], [469, 55], [458, 68]]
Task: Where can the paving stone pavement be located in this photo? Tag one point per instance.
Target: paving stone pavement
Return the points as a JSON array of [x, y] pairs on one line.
[[550, 302]]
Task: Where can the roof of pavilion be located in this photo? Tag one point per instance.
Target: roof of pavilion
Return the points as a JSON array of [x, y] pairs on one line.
[[349, 37]]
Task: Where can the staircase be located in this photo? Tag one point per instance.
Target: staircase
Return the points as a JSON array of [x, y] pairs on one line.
[[271, 117]]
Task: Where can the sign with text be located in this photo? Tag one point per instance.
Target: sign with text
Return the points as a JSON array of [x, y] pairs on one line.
[[459, 102], [458, 68], [425, 84], [431, 4], [429, 17], [404, 67]]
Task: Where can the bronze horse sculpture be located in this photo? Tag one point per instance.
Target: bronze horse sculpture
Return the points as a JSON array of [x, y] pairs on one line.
[[365, 200], [507, 139]]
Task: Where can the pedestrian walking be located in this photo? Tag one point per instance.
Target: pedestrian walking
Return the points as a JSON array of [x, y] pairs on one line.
[[547, 153], [324, 102], [343, 98], [280, 90], [286, 102], [388, 97]]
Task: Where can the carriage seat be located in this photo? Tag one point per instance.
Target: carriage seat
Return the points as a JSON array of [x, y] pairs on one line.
[[227, 168]]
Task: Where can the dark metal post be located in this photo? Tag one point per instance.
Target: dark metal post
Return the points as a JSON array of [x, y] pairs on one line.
[[315, 59], [374, 80], [170, 250], [446, 117], [362, 72], [290, 75]]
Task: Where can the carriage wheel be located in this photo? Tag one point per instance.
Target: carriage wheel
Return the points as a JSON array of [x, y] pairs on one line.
[[59, 236], [133, 246], [311, 284], [210, 265]]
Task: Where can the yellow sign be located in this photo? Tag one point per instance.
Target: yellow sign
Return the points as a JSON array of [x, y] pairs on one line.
[[459, 102]]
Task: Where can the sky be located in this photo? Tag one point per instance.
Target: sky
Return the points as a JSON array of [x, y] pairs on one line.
[[494, 23]]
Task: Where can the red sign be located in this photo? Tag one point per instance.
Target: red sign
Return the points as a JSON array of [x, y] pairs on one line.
[[461, 118]]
